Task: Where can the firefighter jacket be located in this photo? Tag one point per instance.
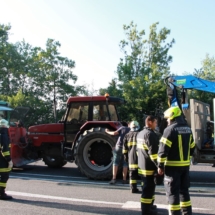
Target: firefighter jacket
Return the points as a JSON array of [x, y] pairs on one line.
[[147, 147], [4, 150], [176, 145], [130, 149]]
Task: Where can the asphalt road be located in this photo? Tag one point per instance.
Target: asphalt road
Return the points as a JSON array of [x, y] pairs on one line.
[[40, 190]]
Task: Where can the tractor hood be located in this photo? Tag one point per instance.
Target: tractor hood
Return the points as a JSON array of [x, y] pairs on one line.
[[54, 128]]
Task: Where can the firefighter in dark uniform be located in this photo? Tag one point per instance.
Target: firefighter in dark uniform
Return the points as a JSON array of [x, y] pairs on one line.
[[5, 159], [175, 151], [147, 147], [130, 154]]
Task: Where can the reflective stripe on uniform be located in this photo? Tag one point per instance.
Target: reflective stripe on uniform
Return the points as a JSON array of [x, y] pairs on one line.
[[161, 160], [7, 153], [142, 146], [166, 141], [132, 181], [146, 201], [2, 184], [5, 169], [154, 156], [185, 204], [145, 172], [133, 166], [174, 207], [177, 163], [192, 145], [131, 144], [180, 146]]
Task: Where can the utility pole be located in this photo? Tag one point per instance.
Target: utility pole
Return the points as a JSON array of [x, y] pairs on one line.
[[54, 105]]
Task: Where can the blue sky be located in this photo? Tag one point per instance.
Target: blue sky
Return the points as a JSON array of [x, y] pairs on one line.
[[90, 30]]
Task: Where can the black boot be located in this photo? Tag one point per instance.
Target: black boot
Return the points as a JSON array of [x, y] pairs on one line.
[[150, 213], [134, 188], [3, 195], [153, 207]]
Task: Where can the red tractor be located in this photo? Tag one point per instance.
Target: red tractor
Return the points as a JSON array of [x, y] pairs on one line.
[[79, 137]]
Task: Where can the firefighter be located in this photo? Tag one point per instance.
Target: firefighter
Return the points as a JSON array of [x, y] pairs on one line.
[[130, 154], [5, 160], [147, 147], [175, 151]]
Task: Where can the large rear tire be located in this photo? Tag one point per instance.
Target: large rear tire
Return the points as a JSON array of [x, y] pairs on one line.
[[93, 153]]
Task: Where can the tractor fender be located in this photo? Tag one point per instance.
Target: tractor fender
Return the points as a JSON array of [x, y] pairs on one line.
[[111, 125]]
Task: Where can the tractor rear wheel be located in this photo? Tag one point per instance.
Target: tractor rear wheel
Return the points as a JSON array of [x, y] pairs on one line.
[[93, 153]]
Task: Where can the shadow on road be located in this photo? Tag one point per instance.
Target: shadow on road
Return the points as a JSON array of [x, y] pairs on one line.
[[84, 208]]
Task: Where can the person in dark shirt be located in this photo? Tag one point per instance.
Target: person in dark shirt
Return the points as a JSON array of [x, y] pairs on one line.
[[117, 152]]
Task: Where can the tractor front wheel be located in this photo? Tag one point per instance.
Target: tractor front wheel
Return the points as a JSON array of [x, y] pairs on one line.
[[53, 160]]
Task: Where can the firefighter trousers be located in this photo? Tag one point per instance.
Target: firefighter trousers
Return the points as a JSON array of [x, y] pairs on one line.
[[4, 176], [177, 183], [148, 194], [133, 176]]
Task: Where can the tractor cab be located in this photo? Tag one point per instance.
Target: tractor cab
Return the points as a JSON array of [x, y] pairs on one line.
[[86, 112]]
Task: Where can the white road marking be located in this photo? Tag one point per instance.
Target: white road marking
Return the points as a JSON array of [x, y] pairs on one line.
[[14, 193], [136, 205], [126, 205]]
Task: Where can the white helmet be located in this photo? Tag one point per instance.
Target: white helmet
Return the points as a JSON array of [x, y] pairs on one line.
[[4, 123], [134, 125]]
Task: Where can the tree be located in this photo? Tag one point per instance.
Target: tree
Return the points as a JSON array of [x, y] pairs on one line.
[[207, 72], [36, 77], [9, 62], [140, 73]]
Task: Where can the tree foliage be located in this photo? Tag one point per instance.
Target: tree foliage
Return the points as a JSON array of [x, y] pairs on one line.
[[140, 73], [207, 72], [36, 77]]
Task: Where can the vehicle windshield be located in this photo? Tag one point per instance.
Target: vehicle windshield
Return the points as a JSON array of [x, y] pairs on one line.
[[100, 112], [78, 112], [113, 113]]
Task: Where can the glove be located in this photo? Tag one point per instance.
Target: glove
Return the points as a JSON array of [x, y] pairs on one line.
[[158, 179], [10, 164]]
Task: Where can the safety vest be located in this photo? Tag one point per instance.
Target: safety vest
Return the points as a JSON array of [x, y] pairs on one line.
[[147, 147], [176, 145], [130, 149], [4, 150]]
